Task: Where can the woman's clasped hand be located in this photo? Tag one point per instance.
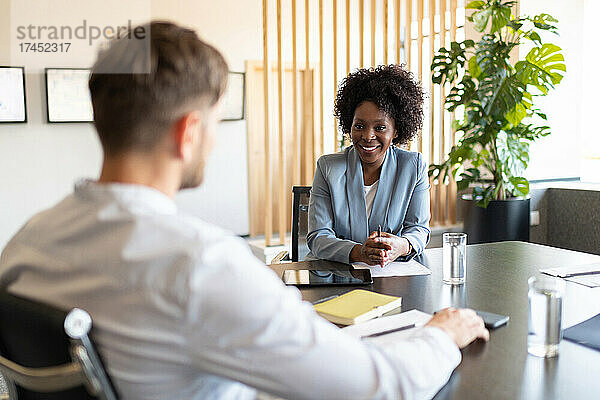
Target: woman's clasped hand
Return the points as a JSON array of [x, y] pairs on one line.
[[380, 250]]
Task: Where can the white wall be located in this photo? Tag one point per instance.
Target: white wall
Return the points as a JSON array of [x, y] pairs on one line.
[[559, 155], [590, 168], [39, 162]]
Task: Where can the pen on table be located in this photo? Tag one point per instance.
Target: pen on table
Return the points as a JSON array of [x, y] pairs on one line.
[[574, 274], [325, 299], [402, 328]]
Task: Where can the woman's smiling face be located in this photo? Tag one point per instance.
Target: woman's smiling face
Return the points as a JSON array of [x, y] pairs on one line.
[[372, 133]]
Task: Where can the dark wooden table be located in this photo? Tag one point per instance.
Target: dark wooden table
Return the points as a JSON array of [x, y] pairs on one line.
[[497, 276]]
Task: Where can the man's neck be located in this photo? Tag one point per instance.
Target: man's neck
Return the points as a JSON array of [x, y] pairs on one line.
[[141, 169]]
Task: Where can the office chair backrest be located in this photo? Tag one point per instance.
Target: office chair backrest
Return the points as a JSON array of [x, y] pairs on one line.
[[35, 349], [300, 222]]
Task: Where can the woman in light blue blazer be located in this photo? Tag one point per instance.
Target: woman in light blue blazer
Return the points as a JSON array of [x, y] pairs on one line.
[[373, 182]]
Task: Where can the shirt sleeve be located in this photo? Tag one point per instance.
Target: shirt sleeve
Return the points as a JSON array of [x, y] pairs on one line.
[[244, 324], [321, 238], [416, 222]]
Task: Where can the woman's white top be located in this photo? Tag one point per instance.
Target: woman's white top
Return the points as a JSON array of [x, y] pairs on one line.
[[370, 195]]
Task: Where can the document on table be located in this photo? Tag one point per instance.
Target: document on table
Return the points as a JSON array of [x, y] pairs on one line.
[[407, 268], [568, 272], [586, 280], [587, 275], [382, 324]]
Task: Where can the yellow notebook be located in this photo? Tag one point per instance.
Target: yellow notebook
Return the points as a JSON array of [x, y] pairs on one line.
[[357, 306]]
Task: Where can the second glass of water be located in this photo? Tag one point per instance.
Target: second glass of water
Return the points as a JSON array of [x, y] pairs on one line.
[[545, 313], [454, 270]]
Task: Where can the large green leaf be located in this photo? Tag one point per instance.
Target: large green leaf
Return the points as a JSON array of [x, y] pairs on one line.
[[473, 67], [463, 93], [483, 195], [498, 12], [475, 5], [480, 19], [500, 93], [542, 67], [520, 185], [515, 24], [521, 110], [544, 22], [446, 62], [529, 132], [492, 54], [513, 154], [534, 36]]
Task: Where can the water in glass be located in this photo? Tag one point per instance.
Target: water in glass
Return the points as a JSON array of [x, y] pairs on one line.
[[545, 312], [454, 258]]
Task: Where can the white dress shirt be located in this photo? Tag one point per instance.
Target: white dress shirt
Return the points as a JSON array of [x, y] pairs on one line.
[[183, 310]]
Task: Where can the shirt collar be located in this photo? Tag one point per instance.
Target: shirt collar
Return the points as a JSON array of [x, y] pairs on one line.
[[133, 196]]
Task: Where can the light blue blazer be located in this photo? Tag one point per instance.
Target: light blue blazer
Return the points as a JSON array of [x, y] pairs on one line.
[[337, 212]]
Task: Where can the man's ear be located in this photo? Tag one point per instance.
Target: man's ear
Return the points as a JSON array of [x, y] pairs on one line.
[[186, 134]]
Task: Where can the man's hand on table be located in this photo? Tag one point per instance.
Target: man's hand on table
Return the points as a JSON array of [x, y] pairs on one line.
[[463, 325]]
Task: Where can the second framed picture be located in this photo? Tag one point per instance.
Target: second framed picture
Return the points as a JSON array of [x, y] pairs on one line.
[[67, 95]]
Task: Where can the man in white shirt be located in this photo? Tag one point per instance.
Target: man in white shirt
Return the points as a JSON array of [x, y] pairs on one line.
[[182, 308]]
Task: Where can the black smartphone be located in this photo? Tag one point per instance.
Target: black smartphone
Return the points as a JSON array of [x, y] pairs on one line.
[[308, 277], [491, 320]]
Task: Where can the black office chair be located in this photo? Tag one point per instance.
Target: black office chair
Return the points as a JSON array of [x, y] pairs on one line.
[[46, 353], [299, 247]]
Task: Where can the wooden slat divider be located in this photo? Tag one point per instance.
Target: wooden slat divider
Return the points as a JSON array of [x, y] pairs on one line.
[[295, 138], [347, 37], [442, 187], [308, 97], [408, 34], [361, 29], [281, 188], [420, 40], [420, 56], [452, 186], [298, 148], [267, 149], [373, 31], [321, 91], [435, 218], [335, 62], [385, 31], [397, 27]]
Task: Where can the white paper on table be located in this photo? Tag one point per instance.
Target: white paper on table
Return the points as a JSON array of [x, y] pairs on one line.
[[591, 281], [566, 272], [396, 268], [381, 324]]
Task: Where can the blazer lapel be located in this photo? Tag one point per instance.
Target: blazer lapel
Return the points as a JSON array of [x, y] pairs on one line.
[[356, 197], [387, 180]]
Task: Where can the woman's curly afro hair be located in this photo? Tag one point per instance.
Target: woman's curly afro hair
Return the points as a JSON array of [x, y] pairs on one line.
[[395, 92]]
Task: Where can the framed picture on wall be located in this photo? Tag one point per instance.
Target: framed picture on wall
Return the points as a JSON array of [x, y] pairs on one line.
[[233, 100], [67, 95], [13, 107]]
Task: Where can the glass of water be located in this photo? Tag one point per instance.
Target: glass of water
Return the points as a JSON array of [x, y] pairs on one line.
[[455, 258], [545, 313]]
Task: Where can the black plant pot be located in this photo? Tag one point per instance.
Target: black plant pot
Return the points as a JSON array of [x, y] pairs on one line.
[[501, 220]]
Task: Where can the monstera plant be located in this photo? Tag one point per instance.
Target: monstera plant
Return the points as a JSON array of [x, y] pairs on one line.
[[494, 100]]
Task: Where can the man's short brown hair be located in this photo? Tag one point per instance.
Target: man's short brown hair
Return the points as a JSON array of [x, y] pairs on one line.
[[156, 84]]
